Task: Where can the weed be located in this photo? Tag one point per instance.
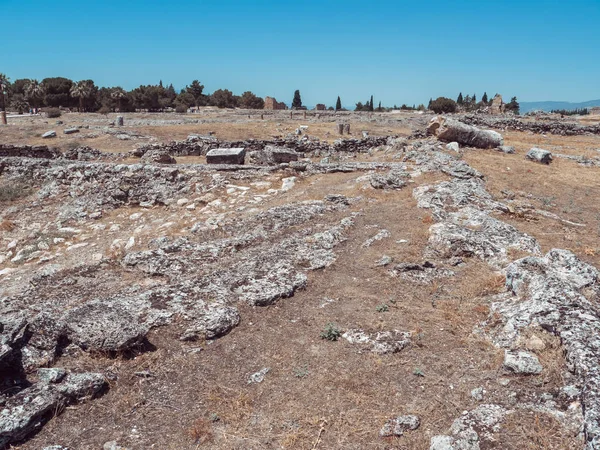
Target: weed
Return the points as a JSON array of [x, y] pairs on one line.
[[201, 432], [7, 225], [331, 332], [214, 417], [14, 191], [382, 308], [301, 372], [418, 372]]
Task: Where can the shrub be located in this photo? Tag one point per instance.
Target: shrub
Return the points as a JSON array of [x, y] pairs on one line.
[[331, 332], [104, 110], [181, 108], [53, 113], [443, 105], [12, 191]]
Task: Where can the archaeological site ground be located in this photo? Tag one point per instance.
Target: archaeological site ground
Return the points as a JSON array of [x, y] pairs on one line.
[[237, 279]]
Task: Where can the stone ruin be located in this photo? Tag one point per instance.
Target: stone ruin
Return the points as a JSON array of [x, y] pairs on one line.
[[272, 104], [497, 106]]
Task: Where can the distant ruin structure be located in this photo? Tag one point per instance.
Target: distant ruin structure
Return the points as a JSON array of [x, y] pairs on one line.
[[497, 106], [320, 107], [273, 104]]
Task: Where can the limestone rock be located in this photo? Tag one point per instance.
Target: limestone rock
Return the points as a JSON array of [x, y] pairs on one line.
[[539, 155], [226, 156], [158, 157], [399, 425], [450, 130], [49, 134]]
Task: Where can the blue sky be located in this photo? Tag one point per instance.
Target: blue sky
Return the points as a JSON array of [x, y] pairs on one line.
[[399, 51]]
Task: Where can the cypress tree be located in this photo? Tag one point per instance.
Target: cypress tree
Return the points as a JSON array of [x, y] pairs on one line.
[[474, 99], [379, 107], [484, 99], [460, 99], [338, 104], [371, 104], [297, 102], [429, 104]]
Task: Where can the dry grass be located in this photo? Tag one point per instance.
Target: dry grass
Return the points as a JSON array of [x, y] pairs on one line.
[[197, 395], [530, 430]]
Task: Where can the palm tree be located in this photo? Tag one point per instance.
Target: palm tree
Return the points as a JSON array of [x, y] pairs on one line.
[[81, 90], [34, 92], [119, 94], [4, 83]]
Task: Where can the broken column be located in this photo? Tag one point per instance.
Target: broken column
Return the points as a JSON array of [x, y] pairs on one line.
[[340, 127], [119, 121], [226, 156], [450, 130], [347, 128]]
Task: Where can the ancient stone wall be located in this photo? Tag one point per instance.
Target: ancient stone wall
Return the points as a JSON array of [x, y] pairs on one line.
[[29, 151], [273, 104]]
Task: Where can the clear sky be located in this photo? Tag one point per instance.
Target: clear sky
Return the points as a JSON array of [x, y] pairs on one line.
[[399, 51]]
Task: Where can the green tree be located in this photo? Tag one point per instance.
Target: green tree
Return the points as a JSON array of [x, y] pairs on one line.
[[81, 90], [196, 89], [297, 101], [118, 94], [338, 104], [223, 98], [359, 107], [58, 92], [513, 105], [371, 104], [460, 99], [443, 105], [430, 103], [250, 101], [484, 99], [185, 98], [34, 93]]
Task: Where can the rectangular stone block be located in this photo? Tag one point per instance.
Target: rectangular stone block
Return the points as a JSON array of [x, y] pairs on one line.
[[226, 156], [283, 155]]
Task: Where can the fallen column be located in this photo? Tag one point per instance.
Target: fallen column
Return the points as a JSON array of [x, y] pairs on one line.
[[450, 130]]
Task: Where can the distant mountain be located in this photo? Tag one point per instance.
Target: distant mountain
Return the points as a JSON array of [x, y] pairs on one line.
[[549, 106]]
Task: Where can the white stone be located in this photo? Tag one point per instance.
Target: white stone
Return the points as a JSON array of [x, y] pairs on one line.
[[182, 201], [522, 362], [288, 183], [130, 243]]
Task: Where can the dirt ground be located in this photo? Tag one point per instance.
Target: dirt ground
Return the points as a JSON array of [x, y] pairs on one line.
[[321, 394]]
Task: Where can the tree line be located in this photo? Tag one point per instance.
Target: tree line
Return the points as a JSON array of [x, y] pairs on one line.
[[468, 103], [24, 94]]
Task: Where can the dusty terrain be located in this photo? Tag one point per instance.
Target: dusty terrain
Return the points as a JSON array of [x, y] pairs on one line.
[[174, 284]]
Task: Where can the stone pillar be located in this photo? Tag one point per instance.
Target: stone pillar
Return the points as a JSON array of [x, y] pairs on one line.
[[262, 117], [119, 121], [347, 128], [340, 128], [305, 114], [3, 116], [291, 114]]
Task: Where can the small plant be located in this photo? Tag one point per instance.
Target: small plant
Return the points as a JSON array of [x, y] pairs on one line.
[[418, 372], [382, 308], [331, 332], [14, 191], [214, 417], [53, 113], [301, 372]]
